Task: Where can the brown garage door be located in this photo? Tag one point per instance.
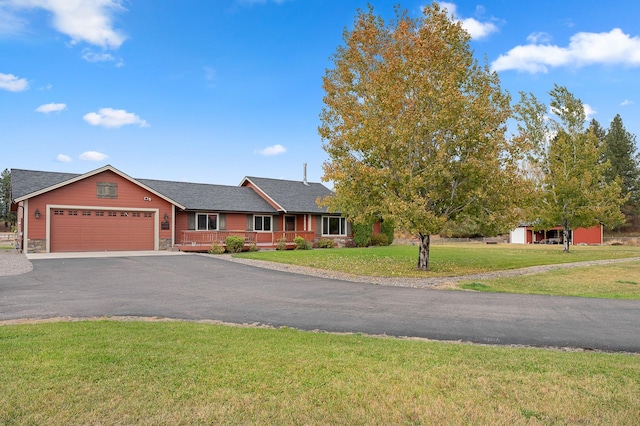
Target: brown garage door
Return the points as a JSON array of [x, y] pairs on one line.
[[95, 230]]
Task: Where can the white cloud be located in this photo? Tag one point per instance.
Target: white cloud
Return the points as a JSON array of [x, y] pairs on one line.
[[93, 156], [47, 108], [63, 158], [626, 102], [612, 48], [474, 27], [272, 150], [589, 111], [87, 21], [91, 56], [109, 117], [9, 22], [12, 83], [539, 37]]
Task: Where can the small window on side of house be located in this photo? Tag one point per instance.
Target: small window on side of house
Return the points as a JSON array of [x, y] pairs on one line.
[[107, 190]]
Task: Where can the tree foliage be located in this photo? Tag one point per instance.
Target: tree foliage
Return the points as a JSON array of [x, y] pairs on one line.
[[572, 190], [415, 129], [7, 217], [624, 162]]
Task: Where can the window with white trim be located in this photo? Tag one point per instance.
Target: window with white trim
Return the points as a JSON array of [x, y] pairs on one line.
[[333, 225], [262, 223], [206, 222]]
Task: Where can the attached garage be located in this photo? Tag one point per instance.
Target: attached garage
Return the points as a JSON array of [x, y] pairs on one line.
[[103, 210], [74, 230]]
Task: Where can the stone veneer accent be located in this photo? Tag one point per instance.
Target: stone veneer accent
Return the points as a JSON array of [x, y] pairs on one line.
[[36, 246], [164, 244]]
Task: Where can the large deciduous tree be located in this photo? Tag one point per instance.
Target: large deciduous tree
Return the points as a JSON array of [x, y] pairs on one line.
[[572, 189], [415, 129]]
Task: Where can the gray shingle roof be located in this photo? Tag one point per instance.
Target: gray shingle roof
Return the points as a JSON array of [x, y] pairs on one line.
[[194, 196], [293, 196], [24, 182], [200, 196]]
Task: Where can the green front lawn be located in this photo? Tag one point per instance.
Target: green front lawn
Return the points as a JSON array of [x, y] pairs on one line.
[[616, 281], [446, 260], [150, 373]]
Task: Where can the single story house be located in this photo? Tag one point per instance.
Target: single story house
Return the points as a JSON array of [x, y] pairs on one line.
[[527, 234], [107, 210]]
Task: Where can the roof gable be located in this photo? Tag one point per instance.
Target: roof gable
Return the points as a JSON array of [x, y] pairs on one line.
[[290, 196], [200, 196], [187, 196], [28, 183]]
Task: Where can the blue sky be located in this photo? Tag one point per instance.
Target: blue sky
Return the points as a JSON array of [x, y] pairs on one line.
[[214, 90]]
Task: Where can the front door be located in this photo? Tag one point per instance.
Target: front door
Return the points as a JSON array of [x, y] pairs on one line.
[[289, 223]]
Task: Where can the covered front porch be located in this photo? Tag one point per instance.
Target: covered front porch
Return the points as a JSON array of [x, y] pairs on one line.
[[201, 241]]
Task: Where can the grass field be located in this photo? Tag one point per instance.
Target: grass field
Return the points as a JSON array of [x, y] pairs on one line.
[[616, 281], [108, 372], [446, 260]]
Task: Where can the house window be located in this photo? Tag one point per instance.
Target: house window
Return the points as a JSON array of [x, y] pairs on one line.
[[99, 213], [262, 223], [86, 213], [148, 214], [135, 214], [58, 212], [107, 190], [72, 213], [112, 214], [207, 222], [332, 225]]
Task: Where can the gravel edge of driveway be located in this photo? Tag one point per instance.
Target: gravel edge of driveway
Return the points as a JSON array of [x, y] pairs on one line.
[[432, 282], [14, 263]]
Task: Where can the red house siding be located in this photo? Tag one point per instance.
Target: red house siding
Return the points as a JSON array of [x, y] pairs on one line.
[[236, 221], [71, 228]]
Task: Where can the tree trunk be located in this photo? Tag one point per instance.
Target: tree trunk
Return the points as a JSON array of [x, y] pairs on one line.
[[423, 254], [565, 238]]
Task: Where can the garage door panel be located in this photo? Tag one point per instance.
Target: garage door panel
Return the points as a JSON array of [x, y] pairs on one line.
[[108, 231]]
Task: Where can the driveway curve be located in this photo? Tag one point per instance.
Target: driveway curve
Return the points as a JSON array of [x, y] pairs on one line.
[[194, 287]]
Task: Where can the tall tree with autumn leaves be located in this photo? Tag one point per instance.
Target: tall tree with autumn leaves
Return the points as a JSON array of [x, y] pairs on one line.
[[415, 129], [572, 190]]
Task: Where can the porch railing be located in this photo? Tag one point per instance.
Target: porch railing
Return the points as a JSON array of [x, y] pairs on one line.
[[267, 238]]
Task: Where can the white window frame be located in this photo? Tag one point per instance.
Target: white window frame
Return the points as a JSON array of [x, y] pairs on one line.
[[207, 221], [262, 218], [342, 226]]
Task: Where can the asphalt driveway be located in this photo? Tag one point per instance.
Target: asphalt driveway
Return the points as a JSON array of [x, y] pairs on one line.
[[195, 287]]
